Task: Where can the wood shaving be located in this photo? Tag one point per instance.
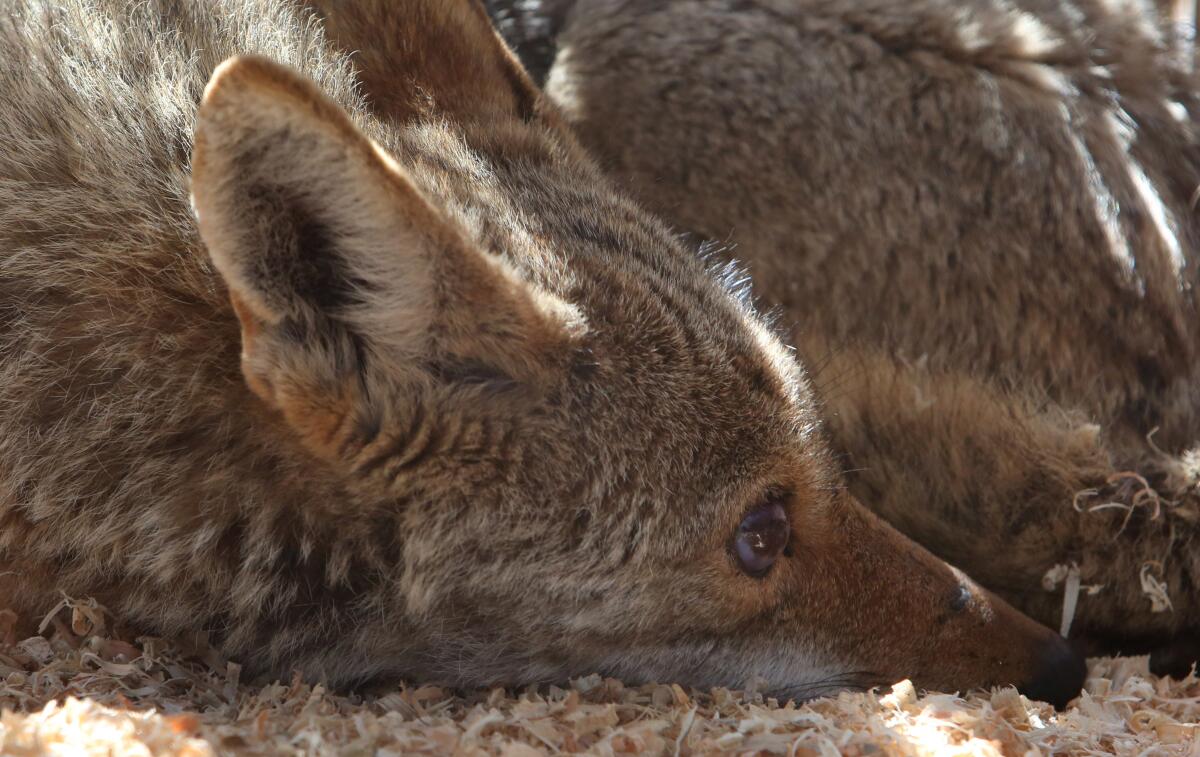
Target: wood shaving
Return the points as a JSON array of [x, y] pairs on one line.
[[67, 694], [1154, 588], [1070, 600], [1069, 577]]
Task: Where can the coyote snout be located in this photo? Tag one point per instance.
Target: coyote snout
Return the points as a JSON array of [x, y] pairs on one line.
[[900, 612], [416, 392]]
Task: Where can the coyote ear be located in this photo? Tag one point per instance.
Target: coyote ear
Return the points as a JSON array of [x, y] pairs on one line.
[[422, 57], [333, 258], [295, 205]]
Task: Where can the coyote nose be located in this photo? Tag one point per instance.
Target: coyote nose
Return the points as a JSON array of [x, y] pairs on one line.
[[1059, 674]]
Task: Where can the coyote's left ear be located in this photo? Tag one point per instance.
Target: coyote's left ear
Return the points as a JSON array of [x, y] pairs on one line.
[[430, 57], [335, 260]]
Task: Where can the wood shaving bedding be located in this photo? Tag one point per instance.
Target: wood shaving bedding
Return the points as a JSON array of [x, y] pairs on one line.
[[82, 688]]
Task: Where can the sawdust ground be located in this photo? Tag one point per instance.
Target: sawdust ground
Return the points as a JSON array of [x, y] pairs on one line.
[[82, 687]]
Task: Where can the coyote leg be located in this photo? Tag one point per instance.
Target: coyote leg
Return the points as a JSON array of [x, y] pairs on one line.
[[1008, 489]]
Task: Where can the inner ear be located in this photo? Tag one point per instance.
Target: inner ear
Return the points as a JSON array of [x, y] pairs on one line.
[[300, 252]]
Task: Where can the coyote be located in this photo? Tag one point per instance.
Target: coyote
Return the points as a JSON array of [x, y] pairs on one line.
[[415, 391], [976, 221]]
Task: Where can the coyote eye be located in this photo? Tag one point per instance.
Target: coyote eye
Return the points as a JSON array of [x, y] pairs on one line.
[[761, 538]]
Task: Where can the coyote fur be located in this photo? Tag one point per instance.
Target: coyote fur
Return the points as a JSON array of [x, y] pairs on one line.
[[322, 333]]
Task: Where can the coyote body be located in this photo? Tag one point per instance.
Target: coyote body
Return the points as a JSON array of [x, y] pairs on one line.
[[977, 221], [413, 391]]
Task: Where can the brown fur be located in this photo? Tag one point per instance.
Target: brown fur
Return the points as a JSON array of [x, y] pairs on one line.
[[978, 222], [490, 421]]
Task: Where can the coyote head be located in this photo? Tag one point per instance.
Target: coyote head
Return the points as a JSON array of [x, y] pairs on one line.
[[565, 444]]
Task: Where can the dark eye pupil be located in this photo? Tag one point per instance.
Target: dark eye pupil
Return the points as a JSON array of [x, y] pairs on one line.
[[761, 538]]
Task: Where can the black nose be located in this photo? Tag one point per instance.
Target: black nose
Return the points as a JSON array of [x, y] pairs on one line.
[[1059, 675]]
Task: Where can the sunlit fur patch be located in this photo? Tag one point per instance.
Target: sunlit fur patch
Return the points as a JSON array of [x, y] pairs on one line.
[[771, 339]]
